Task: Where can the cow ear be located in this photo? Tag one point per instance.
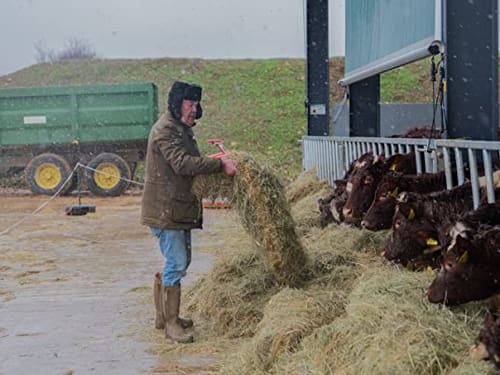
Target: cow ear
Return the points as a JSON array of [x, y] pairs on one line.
[[394, 193], [407, 210]]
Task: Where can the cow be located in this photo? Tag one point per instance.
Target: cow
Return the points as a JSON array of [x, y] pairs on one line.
[[487, 343], [420, 132], [330, 208], [380, 213], [470, 269], [364, 180], [419, 222]]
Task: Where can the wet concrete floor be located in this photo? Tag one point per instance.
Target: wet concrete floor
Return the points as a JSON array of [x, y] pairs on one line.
[[68, 286]]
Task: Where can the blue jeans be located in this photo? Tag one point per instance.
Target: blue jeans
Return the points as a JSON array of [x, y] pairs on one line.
[[175, 245]]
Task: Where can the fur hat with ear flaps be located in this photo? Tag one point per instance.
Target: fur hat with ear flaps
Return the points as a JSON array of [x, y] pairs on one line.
[[178, 92]]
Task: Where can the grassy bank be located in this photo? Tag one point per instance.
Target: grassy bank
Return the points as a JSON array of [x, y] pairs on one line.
[[255, 105]]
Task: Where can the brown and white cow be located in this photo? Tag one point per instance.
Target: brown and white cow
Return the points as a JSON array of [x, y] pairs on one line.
[[380, 213], [420, 225], [364, 180], [330, 208], [470, 270]]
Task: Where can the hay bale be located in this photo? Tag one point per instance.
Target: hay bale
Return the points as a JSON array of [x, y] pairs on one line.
[[264, 213], [306, 184]]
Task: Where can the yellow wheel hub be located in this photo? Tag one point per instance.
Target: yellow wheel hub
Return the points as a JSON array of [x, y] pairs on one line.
[[107, 176], [48, 176]]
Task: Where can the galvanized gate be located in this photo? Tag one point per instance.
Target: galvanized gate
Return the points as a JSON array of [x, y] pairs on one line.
[[331, 156]]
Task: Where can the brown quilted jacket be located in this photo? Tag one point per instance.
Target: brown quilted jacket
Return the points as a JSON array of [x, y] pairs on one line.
[[172, 160]]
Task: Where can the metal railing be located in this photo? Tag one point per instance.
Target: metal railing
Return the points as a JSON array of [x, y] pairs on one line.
[[332, 156]]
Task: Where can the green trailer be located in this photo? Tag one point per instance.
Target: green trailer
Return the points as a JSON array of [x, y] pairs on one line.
[[48, 130]]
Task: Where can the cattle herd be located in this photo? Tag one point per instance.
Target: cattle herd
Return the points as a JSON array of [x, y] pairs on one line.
[[429, 226]]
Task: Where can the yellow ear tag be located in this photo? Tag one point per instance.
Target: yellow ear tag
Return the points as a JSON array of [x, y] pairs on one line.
[[393, 167], [429, 270], [411, 214], [432, 242], [394, 193], [496, 357], [464, 258]]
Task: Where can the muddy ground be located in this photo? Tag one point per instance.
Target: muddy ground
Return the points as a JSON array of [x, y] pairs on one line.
[[75, 291]]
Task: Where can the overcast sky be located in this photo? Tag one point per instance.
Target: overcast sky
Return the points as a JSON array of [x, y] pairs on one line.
[[160, 28]]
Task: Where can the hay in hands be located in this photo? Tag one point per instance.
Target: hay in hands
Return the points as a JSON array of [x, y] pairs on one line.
[[264, 212]]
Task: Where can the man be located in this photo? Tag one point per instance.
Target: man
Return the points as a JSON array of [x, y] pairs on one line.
[[169, 207]]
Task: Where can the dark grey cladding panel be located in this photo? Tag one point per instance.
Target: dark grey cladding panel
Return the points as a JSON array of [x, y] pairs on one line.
[[395, 118]]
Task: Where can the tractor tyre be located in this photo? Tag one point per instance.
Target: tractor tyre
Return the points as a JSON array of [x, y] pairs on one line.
[[48, 174], [108, 175]]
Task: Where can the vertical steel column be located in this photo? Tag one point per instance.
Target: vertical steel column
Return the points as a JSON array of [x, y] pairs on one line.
[[471, 69], [317, 66], [364, 108]]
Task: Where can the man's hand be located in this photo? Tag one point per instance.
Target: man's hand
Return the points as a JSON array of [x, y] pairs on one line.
[[229, 167]]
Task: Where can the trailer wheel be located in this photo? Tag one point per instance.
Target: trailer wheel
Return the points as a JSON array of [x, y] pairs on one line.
[[108, 176], [47, 174]]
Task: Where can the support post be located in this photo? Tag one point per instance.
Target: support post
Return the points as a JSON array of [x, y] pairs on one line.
[[364, 108], [471, 68], [317, 68]]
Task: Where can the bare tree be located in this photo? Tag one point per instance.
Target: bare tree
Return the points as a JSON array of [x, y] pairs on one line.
[[75, 49]]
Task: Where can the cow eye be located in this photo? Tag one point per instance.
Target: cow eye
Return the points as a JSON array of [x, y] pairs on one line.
[[368, 180], [449, 266]]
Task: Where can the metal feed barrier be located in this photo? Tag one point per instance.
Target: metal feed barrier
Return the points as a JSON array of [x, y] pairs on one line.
[[331, 156]]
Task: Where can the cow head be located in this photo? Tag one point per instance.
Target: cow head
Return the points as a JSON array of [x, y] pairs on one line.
[[361, 187], [330, 208], [380, 213], [413, 240], [404, 163], [469, 270]]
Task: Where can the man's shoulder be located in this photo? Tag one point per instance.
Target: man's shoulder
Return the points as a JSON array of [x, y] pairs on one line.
[[167, 126]]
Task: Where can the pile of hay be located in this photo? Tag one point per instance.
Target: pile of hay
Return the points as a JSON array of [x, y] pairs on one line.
[[303, 195], [306, 184], [389, 328], [279, 332], [264, 212], [231, 298]]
